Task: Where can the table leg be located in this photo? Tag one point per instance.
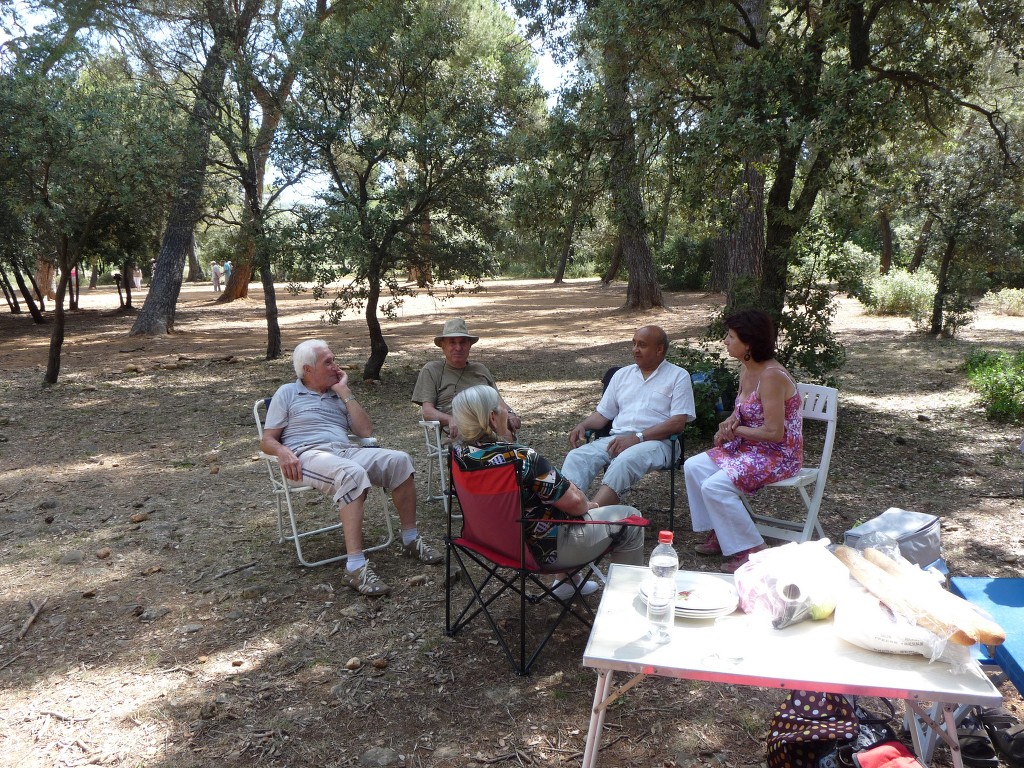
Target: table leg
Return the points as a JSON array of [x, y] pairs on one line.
[[604, 685], [926, 730], [950, 736]]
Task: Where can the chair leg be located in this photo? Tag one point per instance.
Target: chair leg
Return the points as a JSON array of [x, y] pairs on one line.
[[497, 581], [672, 493], [297, 536]]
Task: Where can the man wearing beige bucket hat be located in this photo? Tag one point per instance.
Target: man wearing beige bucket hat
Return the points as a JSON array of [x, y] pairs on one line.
[[440, 380]]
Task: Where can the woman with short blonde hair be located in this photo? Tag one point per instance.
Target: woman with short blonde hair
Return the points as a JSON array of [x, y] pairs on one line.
[[484, 441]]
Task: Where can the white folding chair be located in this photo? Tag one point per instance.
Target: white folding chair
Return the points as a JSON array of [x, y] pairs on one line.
[[284, 491], [436, 461], [819, 404]]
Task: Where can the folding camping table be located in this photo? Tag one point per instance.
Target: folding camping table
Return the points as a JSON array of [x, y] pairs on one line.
[[743, 649]]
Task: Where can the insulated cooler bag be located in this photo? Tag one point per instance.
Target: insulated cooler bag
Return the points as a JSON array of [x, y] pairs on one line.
[[917, 534]]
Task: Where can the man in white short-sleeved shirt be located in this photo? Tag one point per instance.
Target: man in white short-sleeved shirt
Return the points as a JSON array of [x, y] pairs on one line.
[[644, 403], [307, 428]]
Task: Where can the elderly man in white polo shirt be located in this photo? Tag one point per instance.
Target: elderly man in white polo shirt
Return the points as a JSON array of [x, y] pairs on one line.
[[644, 403], [307, 428]]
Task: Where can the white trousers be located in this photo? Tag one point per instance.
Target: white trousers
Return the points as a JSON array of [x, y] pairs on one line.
[[582, 464], [715, 503]]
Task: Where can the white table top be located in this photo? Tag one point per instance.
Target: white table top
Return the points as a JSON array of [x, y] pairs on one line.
[[746, 650]]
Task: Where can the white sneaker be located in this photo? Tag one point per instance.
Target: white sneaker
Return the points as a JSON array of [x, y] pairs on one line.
[[563, 590]]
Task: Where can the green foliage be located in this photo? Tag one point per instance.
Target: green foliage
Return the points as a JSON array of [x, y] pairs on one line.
[[902, 293], [999, 378], [685, 264], [1008, 301], [854, 268], [807, 346], [964, 283], [714, 384]]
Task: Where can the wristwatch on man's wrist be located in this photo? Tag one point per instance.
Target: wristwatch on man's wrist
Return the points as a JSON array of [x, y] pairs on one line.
[[640, 436]]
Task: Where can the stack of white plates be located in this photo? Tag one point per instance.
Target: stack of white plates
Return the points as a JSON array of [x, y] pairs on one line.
[[700, 596]]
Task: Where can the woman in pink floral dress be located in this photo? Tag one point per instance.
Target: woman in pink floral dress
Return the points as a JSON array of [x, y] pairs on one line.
[[761, 442]]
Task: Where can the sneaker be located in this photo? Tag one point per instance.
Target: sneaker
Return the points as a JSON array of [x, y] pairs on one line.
[[366, 582], [710, 545], [563, 590], [733, 563], [419, 549]]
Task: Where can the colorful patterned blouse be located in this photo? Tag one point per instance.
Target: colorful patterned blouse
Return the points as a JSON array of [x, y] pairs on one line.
[[752, 464]]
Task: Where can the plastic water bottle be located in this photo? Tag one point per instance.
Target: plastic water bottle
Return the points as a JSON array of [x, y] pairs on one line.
[[661, 593]]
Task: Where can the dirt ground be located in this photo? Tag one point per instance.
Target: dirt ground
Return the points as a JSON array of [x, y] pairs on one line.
[[175, 631]]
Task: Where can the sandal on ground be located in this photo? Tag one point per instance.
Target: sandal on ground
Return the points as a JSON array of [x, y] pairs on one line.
[[710, 545], [1007, 733], [975, 745]]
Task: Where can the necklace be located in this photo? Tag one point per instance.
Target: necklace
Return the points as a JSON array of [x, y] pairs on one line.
[[461, 373]]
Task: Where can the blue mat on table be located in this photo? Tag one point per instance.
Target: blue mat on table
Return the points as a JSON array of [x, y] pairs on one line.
[[1004, 600]]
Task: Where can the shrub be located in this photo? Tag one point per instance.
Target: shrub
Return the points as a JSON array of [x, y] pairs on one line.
[[852, 269], [807, 346], [714, 384], [999, 378], [903, 293], [684, 264], [1008, 301]]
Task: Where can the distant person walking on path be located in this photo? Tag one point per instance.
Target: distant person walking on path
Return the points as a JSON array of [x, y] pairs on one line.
[[227, 271], [216, 270], [137, 278]]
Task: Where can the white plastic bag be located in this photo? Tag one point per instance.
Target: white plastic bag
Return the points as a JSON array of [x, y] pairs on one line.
[[792, 582], [863, 620]]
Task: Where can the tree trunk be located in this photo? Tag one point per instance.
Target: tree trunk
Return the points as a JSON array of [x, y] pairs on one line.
[[943, 286], [742, 249], [59, 320], [127, 267], [37, 291], [613, 267], [744, 244], [270, 303], [157, 313], [27, 294], [783, 222], [885, 226], [94, 277], [237, 287], [10, 294], [378, 347], [195, 269], [642, 291], [666, 198], [567, 235], [44, 281], [922, 244]]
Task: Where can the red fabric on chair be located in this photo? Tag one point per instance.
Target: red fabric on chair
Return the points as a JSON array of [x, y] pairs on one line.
[[494, 559], [496, 490]]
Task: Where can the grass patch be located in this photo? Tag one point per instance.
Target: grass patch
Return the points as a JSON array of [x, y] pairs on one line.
[[999, 378]]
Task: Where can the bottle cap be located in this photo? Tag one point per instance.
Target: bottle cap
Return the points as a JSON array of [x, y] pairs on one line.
[[665, 537]]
